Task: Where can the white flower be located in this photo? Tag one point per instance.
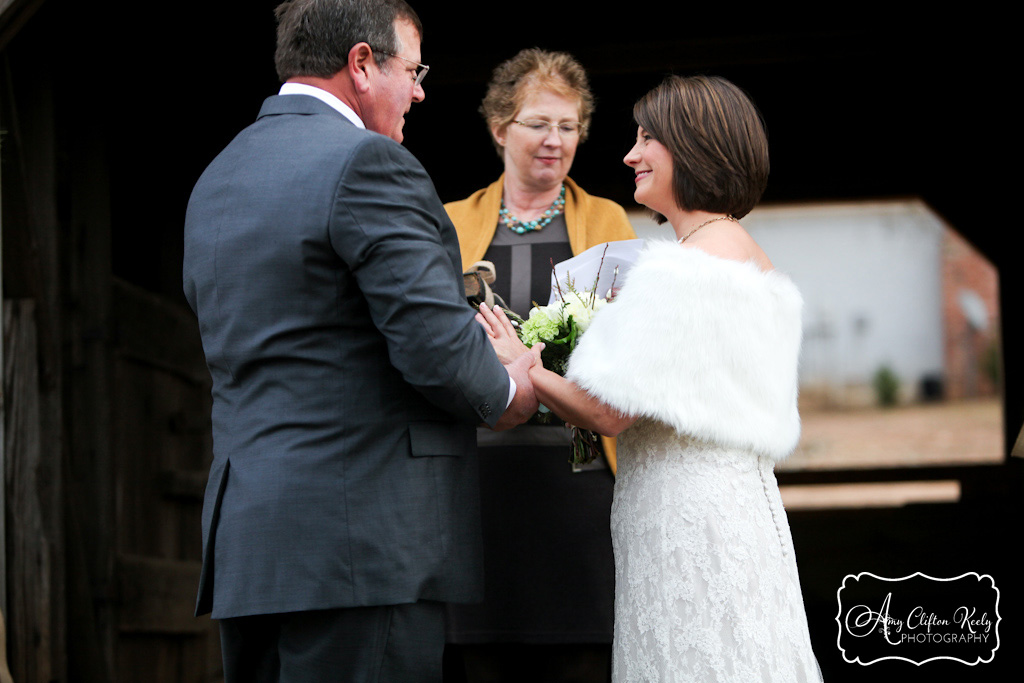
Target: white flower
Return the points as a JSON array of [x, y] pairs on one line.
[[580, 309]]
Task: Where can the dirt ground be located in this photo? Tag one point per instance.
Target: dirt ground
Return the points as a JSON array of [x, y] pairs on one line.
[[953, 433], [930, 434]]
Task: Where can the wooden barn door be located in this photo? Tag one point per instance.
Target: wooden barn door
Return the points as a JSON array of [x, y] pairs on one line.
[[161, 449]]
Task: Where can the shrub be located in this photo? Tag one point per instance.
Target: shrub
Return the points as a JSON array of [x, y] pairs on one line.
[[887, 386]]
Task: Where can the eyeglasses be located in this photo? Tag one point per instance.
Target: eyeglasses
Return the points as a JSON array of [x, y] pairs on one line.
[[540, 127], [421, 69]]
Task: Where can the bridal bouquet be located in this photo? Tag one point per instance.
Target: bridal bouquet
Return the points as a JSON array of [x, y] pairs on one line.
[[559, 325]]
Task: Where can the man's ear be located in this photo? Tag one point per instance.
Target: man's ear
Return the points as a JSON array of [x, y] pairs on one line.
[[360, 57]]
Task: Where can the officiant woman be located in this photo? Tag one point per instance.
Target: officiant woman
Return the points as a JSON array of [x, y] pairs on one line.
[[549, 572]]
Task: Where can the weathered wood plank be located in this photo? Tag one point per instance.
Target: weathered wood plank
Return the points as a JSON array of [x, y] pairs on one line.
[[3, 467], [154, 331], [158, 467], [5, 672], [157, 595], [164, 659], [28, 541], [35, 271], [186, 484]]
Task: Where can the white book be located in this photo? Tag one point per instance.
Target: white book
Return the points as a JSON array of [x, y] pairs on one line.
[[618, 257]]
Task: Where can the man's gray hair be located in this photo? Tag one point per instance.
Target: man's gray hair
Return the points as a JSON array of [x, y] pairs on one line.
[[314, 37]]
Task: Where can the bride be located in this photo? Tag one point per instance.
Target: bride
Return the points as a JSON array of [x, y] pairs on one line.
[[694, 367]]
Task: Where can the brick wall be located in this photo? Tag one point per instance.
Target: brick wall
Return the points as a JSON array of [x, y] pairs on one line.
[[970, 295]]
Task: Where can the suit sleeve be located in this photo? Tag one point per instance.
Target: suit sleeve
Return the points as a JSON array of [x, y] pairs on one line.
[[391, 229]]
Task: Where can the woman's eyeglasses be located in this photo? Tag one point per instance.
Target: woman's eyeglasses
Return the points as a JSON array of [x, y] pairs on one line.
[[565, 128]]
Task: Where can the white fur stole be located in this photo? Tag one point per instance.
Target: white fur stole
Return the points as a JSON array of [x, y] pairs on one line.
[[706, 345]]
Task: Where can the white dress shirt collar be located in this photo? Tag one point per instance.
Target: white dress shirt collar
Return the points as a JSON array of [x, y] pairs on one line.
[[323, 96]]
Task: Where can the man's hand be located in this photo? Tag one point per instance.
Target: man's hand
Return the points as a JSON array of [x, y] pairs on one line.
[[524, 403]]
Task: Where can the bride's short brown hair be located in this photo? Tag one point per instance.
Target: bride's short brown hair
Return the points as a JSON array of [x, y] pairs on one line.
[[717, 140]]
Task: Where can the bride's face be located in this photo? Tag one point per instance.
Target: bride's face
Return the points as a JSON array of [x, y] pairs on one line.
[[652, 163]]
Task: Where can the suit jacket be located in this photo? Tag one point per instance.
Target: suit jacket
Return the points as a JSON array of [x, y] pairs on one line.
[[348, 373]]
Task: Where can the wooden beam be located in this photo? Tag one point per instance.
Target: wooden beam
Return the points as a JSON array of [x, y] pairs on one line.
[[13, 15], [3, 418]]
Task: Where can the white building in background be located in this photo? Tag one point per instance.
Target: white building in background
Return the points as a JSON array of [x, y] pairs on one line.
[[871, 274]]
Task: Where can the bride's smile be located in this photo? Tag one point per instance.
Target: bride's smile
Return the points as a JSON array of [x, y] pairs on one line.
[[651, 161]]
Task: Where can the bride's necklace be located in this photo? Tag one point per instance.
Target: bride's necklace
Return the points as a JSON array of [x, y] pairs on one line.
[[711, 220], [520, 226]]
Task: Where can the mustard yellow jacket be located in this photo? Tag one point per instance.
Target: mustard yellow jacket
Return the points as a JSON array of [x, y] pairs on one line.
[[591, 220]]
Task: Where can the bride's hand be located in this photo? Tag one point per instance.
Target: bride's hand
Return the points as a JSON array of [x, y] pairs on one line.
[[501, 333]]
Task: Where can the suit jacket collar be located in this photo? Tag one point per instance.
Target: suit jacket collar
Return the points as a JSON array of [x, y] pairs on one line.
[[297, 104]]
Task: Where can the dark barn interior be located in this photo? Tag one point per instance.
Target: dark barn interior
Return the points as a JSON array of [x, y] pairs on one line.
[[109, 111]]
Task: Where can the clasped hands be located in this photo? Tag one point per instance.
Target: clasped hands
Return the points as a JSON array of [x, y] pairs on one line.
[[517, 359]]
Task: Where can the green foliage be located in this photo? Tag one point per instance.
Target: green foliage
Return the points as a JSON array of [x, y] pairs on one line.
[[887, 386], [991, 363]]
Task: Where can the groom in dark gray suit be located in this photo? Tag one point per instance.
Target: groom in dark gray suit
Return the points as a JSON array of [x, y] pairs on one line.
[[348, 372]]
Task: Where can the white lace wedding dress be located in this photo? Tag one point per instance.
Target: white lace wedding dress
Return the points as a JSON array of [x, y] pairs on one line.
[[704, 350]]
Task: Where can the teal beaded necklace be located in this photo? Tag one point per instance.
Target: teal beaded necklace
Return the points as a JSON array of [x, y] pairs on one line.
[[521, 227]]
